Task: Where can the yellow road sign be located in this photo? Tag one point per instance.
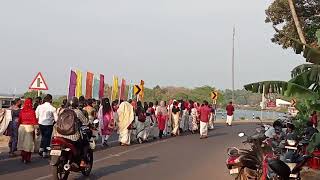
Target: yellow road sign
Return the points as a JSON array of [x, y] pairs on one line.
[[136, 89], [214, 95]]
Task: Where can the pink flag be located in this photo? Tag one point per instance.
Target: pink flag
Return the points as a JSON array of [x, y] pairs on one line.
[[72, 84], [101, 87]]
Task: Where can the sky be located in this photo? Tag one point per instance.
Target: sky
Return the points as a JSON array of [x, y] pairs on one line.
[[164, 42]]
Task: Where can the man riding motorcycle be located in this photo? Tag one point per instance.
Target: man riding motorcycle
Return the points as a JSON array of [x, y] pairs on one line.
[[76, 138]]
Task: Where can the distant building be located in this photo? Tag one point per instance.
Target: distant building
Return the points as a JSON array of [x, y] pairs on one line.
[[283, 104], [6, 101]]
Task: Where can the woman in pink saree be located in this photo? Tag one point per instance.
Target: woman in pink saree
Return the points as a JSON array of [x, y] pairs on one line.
[[105, 115]]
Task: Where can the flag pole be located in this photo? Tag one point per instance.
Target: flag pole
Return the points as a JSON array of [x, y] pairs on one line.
[[120, 91], [111, 94], [233, 38]]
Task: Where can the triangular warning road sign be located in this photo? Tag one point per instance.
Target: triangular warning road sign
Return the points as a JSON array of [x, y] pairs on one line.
[[38, 83]]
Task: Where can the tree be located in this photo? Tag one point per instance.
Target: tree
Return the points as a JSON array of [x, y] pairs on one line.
[[32, 94], [295, 19]]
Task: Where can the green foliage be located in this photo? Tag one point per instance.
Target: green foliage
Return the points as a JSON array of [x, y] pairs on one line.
[[199, 94], [278, 13], [58, 101], [32, 94]]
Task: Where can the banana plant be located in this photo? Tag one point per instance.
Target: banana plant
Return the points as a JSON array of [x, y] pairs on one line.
[[305, 82]]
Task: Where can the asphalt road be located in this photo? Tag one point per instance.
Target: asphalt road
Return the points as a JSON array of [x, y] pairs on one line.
[[185, 157]]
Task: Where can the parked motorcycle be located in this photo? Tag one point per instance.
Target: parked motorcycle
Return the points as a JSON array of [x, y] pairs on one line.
[[248, 164], [66, 158]]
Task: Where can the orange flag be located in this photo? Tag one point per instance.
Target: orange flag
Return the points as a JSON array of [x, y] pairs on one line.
[[89, 85]]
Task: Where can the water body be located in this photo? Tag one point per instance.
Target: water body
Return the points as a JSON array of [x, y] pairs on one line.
[[250, 114]]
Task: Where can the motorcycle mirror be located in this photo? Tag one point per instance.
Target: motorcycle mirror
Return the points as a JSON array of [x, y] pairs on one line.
[[96, 121], [241, 134]]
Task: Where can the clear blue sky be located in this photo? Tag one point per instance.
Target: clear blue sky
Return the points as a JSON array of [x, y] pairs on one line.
[[166, 42]]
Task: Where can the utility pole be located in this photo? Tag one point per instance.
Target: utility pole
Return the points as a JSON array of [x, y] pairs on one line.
[[233, 38]]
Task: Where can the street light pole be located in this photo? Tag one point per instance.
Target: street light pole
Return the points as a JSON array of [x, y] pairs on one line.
[[233, 38]]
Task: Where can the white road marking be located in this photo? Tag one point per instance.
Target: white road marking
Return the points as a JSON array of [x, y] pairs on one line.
[[114, 155]]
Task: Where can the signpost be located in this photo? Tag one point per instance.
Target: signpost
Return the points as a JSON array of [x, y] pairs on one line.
[[137, 90], [38, 84], [293, 102], [214, 96]]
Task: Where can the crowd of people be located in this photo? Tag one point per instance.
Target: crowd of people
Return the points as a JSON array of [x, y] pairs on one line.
[[35, 120]]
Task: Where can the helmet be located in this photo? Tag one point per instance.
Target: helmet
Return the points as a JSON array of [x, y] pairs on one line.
[[74, 102]]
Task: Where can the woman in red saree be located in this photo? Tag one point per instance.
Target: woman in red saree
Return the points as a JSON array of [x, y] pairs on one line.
[[28, 125]]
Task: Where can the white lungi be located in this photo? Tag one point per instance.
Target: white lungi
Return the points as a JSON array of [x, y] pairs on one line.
[[229, 120], [203, 128], [124, 137]]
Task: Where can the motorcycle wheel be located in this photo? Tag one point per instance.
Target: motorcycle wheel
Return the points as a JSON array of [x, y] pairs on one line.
[[59, 174], [87, 170]]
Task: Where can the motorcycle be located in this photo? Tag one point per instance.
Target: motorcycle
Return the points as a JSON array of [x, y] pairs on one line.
[[290, 163], [248, 164], [66, 158]]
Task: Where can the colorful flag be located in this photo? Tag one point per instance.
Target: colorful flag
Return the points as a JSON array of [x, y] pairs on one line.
[[72, 84], [101, 86], [79, 84], [89, 83], [96, 86], [141, 95], [130, 92], [115, 88], [123, 89]]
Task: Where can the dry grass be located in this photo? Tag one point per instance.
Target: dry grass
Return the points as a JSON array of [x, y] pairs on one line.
[[310, 175]]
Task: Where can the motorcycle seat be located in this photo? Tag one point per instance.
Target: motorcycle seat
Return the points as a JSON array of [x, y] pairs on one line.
[[280, 168]]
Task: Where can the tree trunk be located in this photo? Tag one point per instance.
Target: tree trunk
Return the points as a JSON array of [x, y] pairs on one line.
[[296, 21]]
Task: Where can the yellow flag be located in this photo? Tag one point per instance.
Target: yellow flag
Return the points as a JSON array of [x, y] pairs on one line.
[[79, 84], [115, 88]]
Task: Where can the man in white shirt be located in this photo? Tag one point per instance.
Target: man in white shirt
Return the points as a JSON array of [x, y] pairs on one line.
[[46, 115]]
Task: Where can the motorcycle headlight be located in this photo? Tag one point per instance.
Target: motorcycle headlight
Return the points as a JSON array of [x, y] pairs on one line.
[[291, 142]]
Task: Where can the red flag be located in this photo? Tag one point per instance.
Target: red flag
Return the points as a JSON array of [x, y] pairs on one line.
[[89, 83], [101, 87], [123, 90]]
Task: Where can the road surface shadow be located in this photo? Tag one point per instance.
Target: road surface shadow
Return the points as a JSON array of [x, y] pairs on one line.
[[105, 171], [217, 135], [15, 165]]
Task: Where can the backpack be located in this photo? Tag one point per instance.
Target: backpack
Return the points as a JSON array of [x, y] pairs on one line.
[[67, 123]]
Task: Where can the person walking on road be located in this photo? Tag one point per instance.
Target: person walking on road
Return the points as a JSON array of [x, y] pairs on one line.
[[193, 117], [92, 114], [230, 112], [13, 126], [141, 117], [126, 117], [28, 127], [211, 120], [105, 115], [47, 115], [162, 117], [176, 119], [205, 112]]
